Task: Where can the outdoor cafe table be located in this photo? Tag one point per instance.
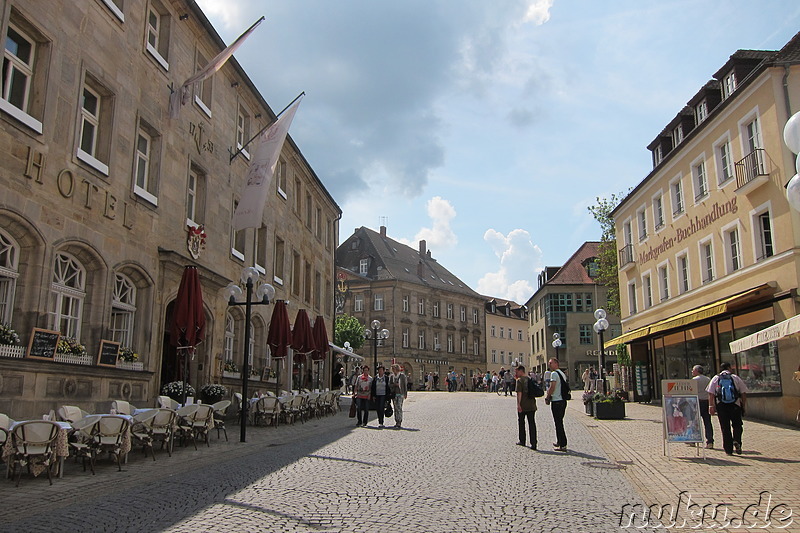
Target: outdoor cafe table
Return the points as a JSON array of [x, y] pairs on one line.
[[61, 446]]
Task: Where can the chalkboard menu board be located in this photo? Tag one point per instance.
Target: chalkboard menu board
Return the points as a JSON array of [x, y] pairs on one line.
[[109, 351], [43, 344]]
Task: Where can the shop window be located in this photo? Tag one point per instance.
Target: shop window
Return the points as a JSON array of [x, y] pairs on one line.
[[759, 367], [68, 292]]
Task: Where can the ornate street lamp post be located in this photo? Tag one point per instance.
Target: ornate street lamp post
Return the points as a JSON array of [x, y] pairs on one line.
[[375, 332], [265, 293], [556, 343], [600, 327]]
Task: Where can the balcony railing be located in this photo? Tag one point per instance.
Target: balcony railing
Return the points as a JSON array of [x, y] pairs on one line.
[[626, 256], [752, 166]]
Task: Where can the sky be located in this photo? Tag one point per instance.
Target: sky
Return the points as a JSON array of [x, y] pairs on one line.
[[487, 127]]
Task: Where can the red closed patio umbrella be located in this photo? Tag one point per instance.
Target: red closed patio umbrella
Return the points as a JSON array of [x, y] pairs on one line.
[[302, 338], [189, 320], [320, 334], [279, 336]]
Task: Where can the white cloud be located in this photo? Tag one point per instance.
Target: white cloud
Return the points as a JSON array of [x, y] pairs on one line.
[[538, 12], [520, 261], [440, 236], [230, 13]]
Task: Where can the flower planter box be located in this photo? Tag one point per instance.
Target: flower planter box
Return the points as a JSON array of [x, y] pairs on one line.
[[7, 350], [73, 359], [233, 375], [271, 380], [609, 410], [256, 377], [131, 365]]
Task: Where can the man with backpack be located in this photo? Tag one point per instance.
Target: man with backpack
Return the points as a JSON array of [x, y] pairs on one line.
[[727, 398], [557, 395], [526, 406]]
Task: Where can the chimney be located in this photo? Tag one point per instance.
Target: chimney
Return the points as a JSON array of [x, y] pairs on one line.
[[429, 254], [422, 246], [383, 231]]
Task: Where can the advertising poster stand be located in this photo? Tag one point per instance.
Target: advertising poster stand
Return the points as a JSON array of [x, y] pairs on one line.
[[681, 420]]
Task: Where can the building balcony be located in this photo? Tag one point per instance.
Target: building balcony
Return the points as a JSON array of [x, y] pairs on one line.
[[626, 257], [752, 171]]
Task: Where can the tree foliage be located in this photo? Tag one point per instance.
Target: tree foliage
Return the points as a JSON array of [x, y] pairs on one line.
[[607, 254], [347, 328]]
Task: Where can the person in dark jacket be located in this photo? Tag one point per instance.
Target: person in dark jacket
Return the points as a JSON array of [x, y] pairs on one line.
[[380, 393]]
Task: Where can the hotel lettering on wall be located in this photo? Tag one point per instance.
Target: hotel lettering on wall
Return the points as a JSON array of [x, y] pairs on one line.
[[69, 186], [698, 223]]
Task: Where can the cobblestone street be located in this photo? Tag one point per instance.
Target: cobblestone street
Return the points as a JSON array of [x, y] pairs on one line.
[[455, 468]]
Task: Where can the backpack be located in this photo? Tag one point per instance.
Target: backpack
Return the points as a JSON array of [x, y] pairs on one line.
[[726, 388], [565, 390], [534, 389]]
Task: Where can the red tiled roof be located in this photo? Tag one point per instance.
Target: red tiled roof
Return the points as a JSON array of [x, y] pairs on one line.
[[574, 272]]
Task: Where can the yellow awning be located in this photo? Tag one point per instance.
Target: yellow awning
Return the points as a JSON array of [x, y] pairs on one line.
[[687, 317]]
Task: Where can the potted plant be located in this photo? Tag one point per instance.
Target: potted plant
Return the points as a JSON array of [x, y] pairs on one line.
[[174, 389], [69, 350], [9, 342], [588, 405], [255, 374], [129, 359], [608, 406], [213, 392], [230, 370]]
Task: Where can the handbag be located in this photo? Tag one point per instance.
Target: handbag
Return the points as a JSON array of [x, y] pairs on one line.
[[353, 408], [388, 411]]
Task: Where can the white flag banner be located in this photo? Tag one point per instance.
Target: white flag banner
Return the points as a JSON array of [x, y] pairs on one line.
[[262, 167], [181, 95]]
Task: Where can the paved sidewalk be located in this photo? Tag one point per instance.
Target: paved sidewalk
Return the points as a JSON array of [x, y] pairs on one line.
[[770, 462]]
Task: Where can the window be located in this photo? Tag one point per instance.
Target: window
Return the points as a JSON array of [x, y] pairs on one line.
[[406, 306], [9, 272], [734, 249], [474, 346], [243, 133], [503, 357], [707, 261], [724, 163], [519, 334], [658, 155], [502, 332], [421, 306], [463, 344], [260, 256], [436, 309], [658, 212], [318, 224], [237, 238], [493, 331], [202, 89], [494, 356], [728, 85], [280, 177], [647, 287], [764, 245], [752, 143], [309, 210], [318, 290], [68, 292], [405, 337], [278, 264], [307, 287], [474, 316], [642, 218], [195, 197], [378, 302], [663, 281], [700, 181], [632, 298], [585, 333], [627, 232], [683, 273], [450, 311], [363, 267], [558, 305], [421, 340], [296, 276], [115, 6], [436, 345], [328, 233], [677, 135], [449, 343], [158, 33], [18, 77], [123, 310], [358, 303], [463, 314], [298, 199], [700, 112], [230, 337], [145, 167], [95, 126]]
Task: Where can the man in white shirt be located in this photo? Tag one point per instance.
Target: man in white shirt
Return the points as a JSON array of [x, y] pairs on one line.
[[558, 405], [728, 408], [702, 384]]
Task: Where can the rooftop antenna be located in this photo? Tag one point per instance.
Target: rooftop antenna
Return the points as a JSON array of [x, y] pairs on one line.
[[383, 221]]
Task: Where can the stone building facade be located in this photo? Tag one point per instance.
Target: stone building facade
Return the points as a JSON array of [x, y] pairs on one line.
[[101, 191], [507, 335], [436, 321], [708, 244]]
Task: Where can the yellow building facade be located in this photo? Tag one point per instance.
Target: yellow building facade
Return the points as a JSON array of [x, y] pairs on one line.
[[708, 245], [507, 337]]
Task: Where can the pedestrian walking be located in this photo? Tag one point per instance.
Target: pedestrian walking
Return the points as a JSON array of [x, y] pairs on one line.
[[588, 377], [727, 398], [362, 390], [558, 405], [380, 393], [399, 387], [698, 374], [495, 381], [435, 381], [508, 383], [526, 409], [429, 381]]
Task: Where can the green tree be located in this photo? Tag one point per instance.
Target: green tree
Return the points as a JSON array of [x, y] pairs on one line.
[[347, 328], [607, 274]]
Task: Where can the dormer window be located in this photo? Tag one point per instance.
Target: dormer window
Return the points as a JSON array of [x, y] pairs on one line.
[[363, 267], [677, 135], [658, 155], [728, 84], [700, 112]]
